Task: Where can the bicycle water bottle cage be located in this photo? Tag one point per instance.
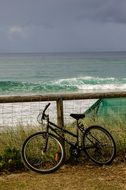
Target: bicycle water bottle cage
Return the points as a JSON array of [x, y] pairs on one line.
[[77, 116]]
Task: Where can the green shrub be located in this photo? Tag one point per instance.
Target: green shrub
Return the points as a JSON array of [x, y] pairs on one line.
[[11, 160]]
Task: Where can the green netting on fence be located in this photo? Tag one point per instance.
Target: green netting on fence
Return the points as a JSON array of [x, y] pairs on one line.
[[108, 108]]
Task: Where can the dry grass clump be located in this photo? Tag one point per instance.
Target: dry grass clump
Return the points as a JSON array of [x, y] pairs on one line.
[[11, 139]]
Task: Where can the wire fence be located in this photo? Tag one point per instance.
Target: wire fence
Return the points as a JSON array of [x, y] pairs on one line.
[[23, 110], [21, 113], [25, 113]]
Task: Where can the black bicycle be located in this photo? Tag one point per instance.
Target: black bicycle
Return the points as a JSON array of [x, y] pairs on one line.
[[44, 152]]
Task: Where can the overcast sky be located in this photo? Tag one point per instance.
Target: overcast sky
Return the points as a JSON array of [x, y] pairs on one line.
[[62, 25]]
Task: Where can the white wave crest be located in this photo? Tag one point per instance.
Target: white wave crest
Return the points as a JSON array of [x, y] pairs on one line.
[[94, 83], [102, 87]]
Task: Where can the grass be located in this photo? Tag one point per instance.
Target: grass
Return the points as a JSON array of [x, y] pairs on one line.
[[80, 177], [11, 141], [116, 126], [10, 146]]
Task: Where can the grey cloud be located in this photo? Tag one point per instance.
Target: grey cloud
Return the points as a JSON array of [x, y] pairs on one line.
[[62, 25], [45, 12], [114, 12], [103, 11]]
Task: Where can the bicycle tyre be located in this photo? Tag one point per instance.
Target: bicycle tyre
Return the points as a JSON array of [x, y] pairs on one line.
[[36, 159], [99, 145]]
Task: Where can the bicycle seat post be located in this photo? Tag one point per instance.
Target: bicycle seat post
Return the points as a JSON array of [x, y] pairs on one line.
[[77, 131], [77, 117]]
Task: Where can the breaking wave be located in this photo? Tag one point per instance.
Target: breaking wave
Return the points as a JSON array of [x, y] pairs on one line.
[[85, 84]]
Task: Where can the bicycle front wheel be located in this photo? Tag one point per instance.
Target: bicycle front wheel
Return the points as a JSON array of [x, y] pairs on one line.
[[43, 152], [99, 145]]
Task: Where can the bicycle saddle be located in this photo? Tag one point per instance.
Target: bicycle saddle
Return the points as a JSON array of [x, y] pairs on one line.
[[77, 116]]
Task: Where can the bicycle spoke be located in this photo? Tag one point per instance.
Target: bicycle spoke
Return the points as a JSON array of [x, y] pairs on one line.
[[42, 153], [99, 145]]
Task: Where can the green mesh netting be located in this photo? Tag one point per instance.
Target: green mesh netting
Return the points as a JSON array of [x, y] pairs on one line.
[[108, 108]]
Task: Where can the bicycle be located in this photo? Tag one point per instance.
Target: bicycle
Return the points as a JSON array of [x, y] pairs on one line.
[[44, 151]]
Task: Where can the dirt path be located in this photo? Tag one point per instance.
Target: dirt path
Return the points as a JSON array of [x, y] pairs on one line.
[[79, 177]]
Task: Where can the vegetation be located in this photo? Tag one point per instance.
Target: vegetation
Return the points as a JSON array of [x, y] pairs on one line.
[[11, 141], [117, 128], [77, 177], [10, 146], [10, 160]]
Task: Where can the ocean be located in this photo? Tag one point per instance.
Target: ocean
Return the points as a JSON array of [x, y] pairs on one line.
[[39, 73]]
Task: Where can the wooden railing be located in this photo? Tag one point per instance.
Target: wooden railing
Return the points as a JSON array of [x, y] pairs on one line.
[[59, 98]]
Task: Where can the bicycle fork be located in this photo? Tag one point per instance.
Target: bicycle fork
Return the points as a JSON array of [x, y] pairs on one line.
[[46, 136]]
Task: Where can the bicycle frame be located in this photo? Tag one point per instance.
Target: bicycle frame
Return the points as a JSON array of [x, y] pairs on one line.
[[48, 154], [58, 130]]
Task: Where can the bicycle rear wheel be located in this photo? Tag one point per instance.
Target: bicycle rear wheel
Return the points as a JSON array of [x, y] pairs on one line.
[[42, 152], [99, 145]]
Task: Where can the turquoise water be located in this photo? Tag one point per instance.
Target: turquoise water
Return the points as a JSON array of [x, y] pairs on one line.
[[62, 72]]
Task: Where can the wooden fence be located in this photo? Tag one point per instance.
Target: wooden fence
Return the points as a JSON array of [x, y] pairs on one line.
[[59, 98]]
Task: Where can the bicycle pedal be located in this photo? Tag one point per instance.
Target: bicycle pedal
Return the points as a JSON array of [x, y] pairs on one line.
[[73, 160]]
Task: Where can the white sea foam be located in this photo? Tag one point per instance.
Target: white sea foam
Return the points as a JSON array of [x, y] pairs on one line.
[[93, 83], [102, 87], [62, 85]]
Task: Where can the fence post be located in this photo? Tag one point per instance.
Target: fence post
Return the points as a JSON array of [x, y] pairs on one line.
[[60, 118]]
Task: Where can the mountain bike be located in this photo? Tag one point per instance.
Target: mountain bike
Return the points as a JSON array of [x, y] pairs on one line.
[[44, 151]]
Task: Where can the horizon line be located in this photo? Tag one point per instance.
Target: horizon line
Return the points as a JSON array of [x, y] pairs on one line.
[[63, 52]]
